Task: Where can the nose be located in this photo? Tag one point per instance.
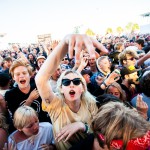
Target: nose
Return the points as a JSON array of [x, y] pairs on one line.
[[36, 126], [71, 84], [21, 75]]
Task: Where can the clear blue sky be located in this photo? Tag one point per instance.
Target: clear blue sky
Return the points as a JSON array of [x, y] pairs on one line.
[[22, 20]]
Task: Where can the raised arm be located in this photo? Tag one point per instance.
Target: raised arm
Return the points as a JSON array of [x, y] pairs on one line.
[[70, 43]]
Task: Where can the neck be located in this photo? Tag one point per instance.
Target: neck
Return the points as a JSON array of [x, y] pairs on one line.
[[26, 89], [93, 69], [105, 73], [74, 106], [126, 83]]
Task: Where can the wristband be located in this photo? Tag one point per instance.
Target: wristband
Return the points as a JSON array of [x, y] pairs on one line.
[[104, 84], [86, 128], [148, 119]]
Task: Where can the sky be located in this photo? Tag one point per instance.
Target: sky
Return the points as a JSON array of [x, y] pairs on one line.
[[23, 20]]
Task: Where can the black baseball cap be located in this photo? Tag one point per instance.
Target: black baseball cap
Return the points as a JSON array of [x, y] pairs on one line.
[[128, 70]]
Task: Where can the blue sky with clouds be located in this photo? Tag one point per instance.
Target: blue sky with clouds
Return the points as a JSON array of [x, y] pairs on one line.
[[22, 20]]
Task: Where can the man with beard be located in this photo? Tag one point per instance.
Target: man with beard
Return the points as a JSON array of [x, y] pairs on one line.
[[130, 81]]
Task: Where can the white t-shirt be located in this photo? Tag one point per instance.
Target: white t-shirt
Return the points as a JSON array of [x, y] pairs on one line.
[[44, 136]]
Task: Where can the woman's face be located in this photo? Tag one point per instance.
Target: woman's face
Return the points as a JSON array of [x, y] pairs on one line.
[[30, 56], [72, 87], [114, 91]]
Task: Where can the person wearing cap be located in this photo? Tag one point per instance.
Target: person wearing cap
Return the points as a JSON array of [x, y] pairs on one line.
[[129, 81], [40, 60]]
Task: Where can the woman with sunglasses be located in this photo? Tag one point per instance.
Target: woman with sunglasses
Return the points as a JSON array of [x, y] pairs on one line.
[[73, 107]]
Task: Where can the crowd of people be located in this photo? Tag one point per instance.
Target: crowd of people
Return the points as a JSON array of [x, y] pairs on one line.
[[78, 93]]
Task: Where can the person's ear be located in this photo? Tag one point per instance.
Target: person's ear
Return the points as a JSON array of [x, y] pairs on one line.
[[124, 62], [126, 76], [19, 130]]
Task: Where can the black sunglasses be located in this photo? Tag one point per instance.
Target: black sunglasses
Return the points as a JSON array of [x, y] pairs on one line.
[[133, 58], [67, 82], [64, 59]]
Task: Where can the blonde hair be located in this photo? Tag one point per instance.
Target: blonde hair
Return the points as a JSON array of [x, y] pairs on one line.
[[116, 121], [86, 96], [18, 63], [23, 116], [122, 92], [122, 56]]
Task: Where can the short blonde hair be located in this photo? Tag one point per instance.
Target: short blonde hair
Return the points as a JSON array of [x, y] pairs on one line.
[[18, 63], [23, 116]]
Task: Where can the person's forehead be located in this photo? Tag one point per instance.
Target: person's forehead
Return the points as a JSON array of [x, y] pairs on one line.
[[20, 68], [129, 55], [113, 88], [41, 59], [134, 73], [71, 76]]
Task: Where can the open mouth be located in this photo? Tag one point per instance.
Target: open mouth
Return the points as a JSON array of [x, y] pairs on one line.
[[22, 81], [72, 92]]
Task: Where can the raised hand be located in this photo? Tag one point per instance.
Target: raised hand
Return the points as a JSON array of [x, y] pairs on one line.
[[141, 106]]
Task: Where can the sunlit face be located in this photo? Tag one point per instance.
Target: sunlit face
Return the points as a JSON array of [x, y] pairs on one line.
[[138, 46], [105, 65], [22, 77], [32, 128], [40, 62], [114, 91], [72, 92], [130, 60]]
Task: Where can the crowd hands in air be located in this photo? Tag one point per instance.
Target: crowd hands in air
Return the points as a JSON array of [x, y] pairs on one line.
[[77, 93]]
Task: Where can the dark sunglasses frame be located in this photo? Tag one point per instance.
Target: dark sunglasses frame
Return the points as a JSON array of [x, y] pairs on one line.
[[132, 58], [67, 82], [64, 59]]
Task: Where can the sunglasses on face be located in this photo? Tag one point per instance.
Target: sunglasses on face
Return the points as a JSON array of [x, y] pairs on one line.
[[133, 58], [67, 82], [64, 59]]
